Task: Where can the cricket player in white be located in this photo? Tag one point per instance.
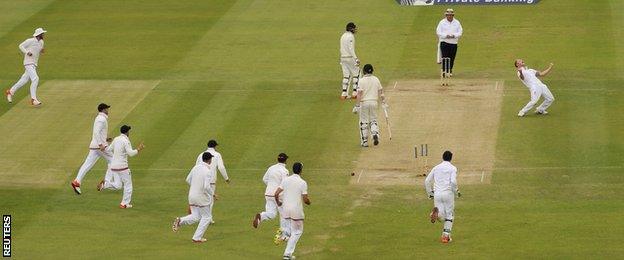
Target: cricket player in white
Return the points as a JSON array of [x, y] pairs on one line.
[[349, 61], [294, 191], [97, 147], [32, 49], [216, 164], [441, 185], [368, 95], [121, 148], [201, 196], [530, 78], [273, 178]]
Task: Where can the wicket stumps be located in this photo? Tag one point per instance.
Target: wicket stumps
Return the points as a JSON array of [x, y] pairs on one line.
[[445, 71], [424, 150]]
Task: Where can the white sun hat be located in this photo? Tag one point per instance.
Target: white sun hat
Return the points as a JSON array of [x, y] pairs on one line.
[[449, 11], [39, 31]]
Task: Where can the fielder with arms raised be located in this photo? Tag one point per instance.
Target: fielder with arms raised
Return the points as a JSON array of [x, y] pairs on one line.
[[368, 95], [441, 186], [294, 192], [530, 78]]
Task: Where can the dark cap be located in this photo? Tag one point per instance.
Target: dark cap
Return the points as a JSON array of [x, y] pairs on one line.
[[212, 143], [206, 156], [282, 157], [350, 26], [102, 106], [125, 129], [297, 167], [368, 69]]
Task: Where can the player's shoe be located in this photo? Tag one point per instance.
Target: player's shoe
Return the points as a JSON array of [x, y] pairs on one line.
[[35, 102], [445, 239], [176, 225], [256, 220], [212, 222], [201, 240], [9, 96], [288, 257], [434, 214], [520, 114], [375, 140], [541, 112], [122, 206], [100, 186], [354, 95], [76, 186], [343, 96]]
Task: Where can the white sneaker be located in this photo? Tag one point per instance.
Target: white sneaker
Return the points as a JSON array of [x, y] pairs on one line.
[[122, 206], [541, 112], [9, 96], [520, 114], [35, 102]]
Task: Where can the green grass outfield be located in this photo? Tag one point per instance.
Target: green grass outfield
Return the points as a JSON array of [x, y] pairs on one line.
[[263, 77]]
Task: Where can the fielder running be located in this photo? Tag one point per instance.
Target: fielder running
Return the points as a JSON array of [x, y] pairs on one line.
[[32, 49], [97, 147], [368, 95], [273, 178], [294, 191], [349, 62], [201, 198], [216, 164], [120, 175], [530, 78], [441, 186]]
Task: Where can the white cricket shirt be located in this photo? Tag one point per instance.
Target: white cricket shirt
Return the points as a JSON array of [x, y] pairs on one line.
[[273, 177], [121, 149], [100, 131], [347, 45], [200, 190], [215, 164], [442, 178], [449, 28], [292, 201], [530, 78], [33, 46], [369, 85]]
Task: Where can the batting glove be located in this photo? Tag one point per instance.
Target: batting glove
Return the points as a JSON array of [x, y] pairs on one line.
[[385, 105], [356, 109]]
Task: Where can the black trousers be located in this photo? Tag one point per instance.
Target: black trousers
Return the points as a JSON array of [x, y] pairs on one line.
[[448, 50]]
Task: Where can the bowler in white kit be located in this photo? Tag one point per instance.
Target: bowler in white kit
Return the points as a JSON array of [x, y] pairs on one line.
[[200, 198], [441, 185], [530, 78], [32, 49], [120, 176], [97, 147], [273, 178], [294, 192]]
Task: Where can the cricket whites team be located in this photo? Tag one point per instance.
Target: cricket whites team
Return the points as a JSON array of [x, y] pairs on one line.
[[285, 193]]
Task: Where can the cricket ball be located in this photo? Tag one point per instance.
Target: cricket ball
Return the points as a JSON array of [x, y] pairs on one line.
[[352, 173]]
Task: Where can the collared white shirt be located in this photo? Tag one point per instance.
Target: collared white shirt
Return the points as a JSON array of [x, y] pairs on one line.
[[530, 78], [347, 45], [369, 85], [274, 177], [294, 187], [121, 149], [200, 191], [442, 178], [449, 28], [33, 46], [216, 164], [100, 131]]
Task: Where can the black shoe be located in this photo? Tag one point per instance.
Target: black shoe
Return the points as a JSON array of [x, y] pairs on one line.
[[375, 140]]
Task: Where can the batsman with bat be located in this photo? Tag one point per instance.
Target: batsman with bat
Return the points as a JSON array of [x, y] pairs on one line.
[[368, 95]]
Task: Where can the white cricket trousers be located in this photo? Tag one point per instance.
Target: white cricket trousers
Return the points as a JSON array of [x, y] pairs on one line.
[[296, 230], [537, 92], [92, 158], [350, 74], [270, 212], [203, 214], [368, 120], [445, 202], [30, 73], [118, 179]]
